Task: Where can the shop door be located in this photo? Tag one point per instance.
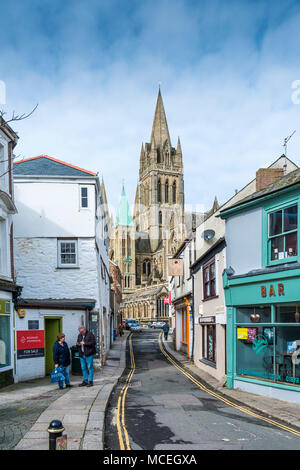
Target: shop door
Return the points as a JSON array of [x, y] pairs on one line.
[[52, 328]]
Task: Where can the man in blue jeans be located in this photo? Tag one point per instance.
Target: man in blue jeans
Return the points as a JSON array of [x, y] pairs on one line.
[[86, 343]]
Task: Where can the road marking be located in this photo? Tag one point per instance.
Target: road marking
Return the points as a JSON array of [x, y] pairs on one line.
[[121, 427], [219, 397]]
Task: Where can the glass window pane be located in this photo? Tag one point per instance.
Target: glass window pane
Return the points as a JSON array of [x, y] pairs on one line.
[[254, 354], [287, 341], [287, 314], [4, 341], [290, 218], [277, 248], [291, 244], [275, 223], [210, 343], [84, 192], [253, 315]]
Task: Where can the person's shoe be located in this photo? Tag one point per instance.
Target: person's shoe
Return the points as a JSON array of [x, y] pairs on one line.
[[83, 384], [69, 385], [60, 388], [90, 384]]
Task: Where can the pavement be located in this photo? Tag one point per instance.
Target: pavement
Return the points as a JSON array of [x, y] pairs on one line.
[[278, 409], [80, 409]]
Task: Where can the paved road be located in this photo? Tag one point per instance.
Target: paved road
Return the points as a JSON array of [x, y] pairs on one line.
[[165, 410]]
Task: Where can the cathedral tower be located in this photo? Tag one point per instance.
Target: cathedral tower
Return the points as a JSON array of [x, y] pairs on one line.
[[160, 191]]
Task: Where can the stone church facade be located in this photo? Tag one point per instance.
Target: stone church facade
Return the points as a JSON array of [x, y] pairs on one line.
[[141, 243]]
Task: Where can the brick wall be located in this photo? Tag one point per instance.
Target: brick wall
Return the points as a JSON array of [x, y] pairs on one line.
[[266, 176]]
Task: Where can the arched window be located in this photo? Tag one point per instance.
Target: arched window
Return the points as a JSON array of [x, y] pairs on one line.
[[144, 267], [123, 244], [174, 192], [159, 191], [148, 268], [158, 155], [167, 191], [160, 217], [128, 245]]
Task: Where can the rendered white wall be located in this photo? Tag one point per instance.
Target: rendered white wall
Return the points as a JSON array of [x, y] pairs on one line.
[[244, 241], [52, 209]]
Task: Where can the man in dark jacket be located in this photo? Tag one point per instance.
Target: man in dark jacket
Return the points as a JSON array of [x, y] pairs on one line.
[[86, 343], [166, 330], [61, 357]]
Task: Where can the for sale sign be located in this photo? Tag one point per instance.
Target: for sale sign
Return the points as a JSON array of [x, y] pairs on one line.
[[30, 343]]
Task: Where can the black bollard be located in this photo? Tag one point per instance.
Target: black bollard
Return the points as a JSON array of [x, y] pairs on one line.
[[55, 430]]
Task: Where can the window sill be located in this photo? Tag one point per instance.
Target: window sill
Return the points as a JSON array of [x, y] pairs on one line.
[[67, 267], [277, 262], [208, 363], [210, 298]]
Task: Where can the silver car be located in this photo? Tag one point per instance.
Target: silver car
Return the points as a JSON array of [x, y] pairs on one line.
[[135, 327], [157, 324]]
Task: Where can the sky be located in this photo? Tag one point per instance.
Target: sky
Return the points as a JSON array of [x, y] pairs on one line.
[[229, 74]]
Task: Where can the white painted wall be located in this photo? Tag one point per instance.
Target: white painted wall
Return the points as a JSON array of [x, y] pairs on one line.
[[244, 241], [51, 208], [31, 368]]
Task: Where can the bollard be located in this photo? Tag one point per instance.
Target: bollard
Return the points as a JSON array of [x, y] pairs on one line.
[[55, 430]]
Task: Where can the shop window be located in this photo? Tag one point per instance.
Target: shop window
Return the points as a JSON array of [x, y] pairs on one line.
[[287, 314], [282, 233], [270, 352], [209, 343], [209, 280], [5, 346], [68, 256], [253, 315]]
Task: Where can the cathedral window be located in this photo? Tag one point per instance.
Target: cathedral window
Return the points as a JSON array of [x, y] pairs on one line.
[[167, 191], [158, 155], [160, 217], [159, 191], [148, 268], [123, 244], [144, 267], [174, 192]]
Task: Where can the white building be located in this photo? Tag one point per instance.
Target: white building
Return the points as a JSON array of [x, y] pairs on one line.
[[8, 287], [61, 260]]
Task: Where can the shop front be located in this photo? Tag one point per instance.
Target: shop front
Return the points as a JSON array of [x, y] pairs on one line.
[[184, 324], [263, 332], [6, 340]]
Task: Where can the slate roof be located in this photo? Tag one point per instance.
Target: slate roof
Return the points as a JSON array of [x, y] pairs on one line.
[[43, 165], [142, 243], [288, 180]]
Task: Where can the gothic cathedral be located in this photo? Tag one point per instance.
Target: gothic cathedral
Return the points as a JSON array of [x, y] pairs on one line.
[[142, 243]]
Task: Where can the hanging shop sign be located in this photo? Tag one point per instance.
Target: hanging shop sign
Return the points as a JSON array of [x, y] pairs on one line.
[[175, 267], [30, 343]]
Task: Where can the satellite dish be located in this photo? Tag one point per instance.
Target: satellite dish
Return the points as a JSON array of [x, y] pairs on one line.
[[208, 234]]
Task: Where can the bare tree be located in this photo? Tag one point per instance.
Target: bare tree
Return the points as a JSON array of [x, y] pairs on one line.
[[17, 117]]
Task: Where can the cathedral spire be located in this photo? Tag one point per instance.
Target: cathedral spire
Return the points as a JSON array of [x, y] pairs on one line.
[[123, 214], [160, 131]]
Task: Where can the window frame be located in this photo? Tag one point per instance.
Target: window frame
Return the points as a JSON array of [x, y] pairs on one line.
[[209, 263], [266, 252], [85, 197], [205, 343], [67, 265]]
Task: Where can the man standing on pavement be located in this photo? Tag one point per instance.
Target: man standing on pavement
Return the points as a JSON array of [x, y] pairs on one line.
[[86, 343], [166, 330]]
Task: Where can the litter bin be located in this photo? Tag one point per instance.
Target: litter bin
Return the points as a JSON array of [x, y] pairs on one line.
[[76, 367]]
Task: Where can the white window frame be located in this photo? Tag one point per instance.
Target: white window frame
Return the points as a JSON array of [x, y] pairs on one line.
[[87, 197], [65, 265]]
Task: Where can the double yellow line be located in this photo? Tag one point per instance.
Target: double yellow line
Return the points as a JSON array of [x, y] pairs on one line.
[[121, 427], [184, 371]]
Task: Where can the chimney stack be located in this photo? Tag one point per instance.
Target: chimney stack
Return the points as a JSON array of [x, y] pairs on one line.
[[266, 176]]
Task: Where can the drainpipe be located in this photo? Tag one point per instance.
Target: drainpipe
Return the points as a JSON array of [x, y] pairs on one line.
[[193, 318]]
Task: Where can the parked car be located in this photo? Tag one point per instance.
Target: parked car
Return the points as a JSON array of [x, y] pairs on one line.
[[135, 326], [128, 322], [157, 324]]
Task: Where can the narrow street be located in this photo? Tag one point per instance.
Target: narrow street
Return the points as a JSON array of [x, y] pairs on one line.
[[156, 406]]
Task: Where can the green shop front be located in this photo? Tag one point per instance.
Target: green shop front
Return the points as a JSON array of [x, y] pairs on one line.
[[263, 332]]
